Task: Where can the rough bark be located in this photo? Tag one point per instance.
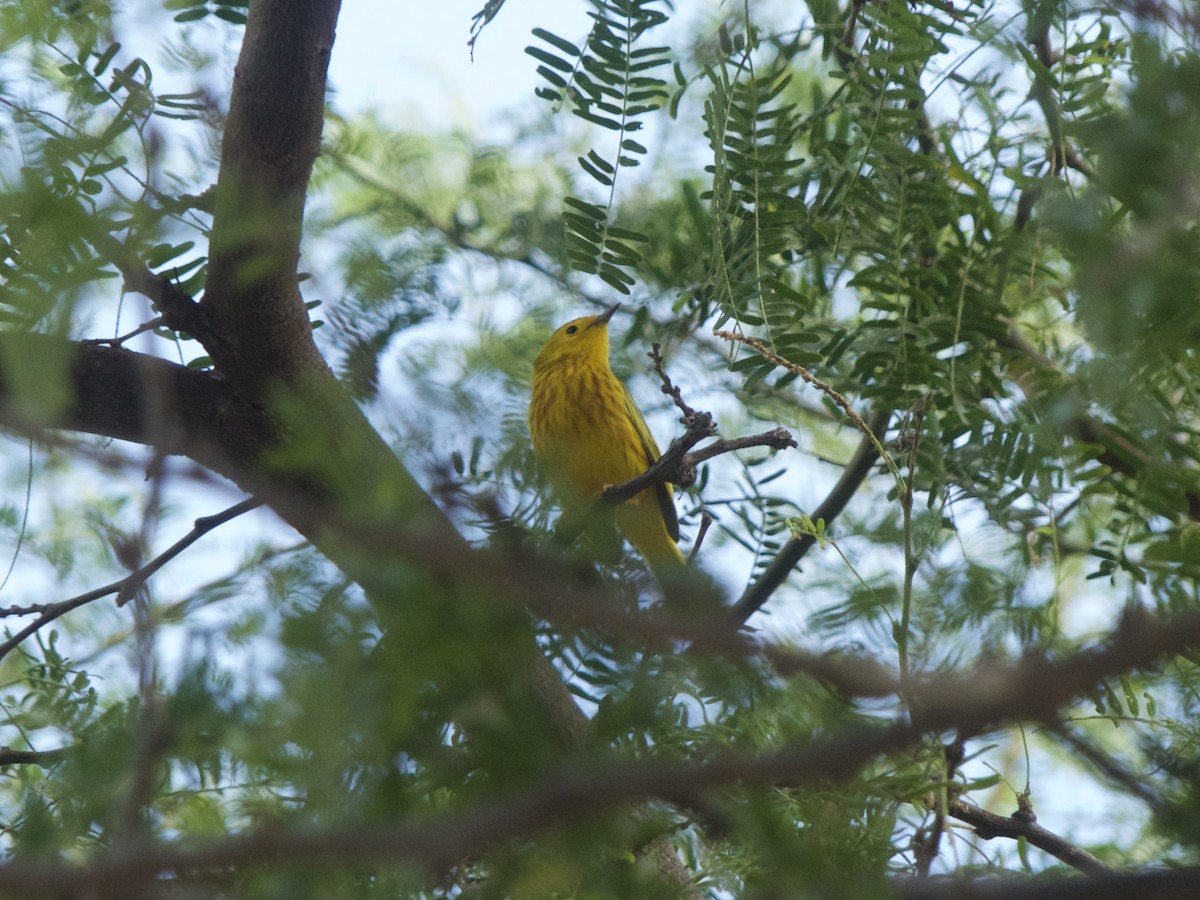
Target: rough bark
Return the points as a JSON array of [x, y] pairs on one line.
[[272, 137], [115, 393]]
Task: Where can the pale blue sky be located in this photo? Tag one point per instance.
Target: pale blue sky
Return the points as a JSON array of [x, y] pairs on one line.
[[411, 60]]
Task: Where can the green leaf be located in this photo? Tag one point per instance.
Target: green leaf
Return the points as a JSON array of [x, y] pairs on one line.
[[550, 60], [105, 58], [596, 174], [555, 41], [236, 16], [161, 254]]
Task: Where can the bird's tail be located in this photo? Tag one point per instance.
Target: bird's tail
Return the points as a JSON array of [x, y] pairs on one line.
[[689, 593], [665, 559], [659, 550]]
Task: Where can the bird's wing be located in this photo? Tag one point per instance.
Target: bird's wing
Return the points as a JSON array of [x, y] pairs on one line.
[[666, 502]]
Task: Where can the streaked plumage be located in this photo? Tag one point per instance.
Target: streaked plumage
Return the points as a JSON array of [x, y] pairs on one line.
[[588, 434]]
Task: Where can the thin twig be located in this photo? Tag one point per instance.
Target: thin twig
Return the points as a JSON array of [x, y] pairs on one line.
[[705, 523], [855, 473], [156, 322], [668, 387], [1109, 768], [33, 609], [776, 439], [24, 529], [829, 391], [676, 466], [152, 735], [1061, 152], [132, 582], [200, 527], [1118, 452], [912, 441], [179, 311], [927, 842], [844, 50]]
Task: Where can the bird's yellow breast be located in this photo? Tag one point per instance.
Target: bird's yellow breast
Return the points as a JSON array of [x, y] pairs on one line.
[[581, 430]]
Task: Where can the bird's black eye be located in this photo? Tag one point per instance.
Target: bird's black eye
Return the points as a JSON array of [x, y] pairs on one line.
[[572, 329]]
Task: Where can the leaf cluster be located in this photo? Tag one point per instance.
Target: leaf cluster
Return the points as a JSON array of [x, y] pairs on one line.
[[975, 220]]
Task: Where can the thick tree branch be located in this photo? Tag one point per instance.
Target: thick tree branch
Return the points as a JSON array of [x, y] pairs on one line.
[[337, 471], [1155, 884], [1023, 824], [272, 136], [47, 382], [43, 758], [1030, 689], [129, 396], [334, 469]]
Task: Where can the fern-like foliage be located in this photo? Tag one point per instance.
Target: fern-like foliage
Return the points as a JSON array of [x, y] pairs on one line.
[[609, 82], [757, 214], [72, 174]]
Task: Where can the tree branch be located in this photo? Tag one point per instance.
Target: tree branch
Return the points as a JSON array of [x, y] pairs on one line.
[[1154, 884], [202, 526], [677, 466], [1023, 824], [43, 758], [47, 382], [131, 583], [1117, 774], [789, 556], [1118, 453], [272, 136], [995, 694], [179, 311], [335, 461]]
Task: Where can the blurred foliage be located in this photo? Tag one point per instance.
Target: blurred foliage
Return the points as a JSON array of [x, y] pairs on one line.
[[987, 210]]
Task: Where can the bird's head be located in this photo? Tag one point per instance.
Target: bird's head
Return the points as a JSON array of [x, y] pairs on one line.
[[583, 338]]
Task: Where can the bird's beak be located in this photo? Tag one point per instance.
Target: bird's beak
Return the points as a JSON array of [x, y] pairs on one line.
[[603, 318]]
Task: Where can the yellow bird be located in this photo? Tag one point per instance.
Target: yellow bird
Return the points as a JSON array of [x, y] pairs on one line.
[[588, 434]]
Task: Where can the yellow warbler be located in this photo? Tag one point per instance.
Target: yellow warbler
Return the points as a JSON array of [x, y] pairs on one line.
[[588, 434]]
